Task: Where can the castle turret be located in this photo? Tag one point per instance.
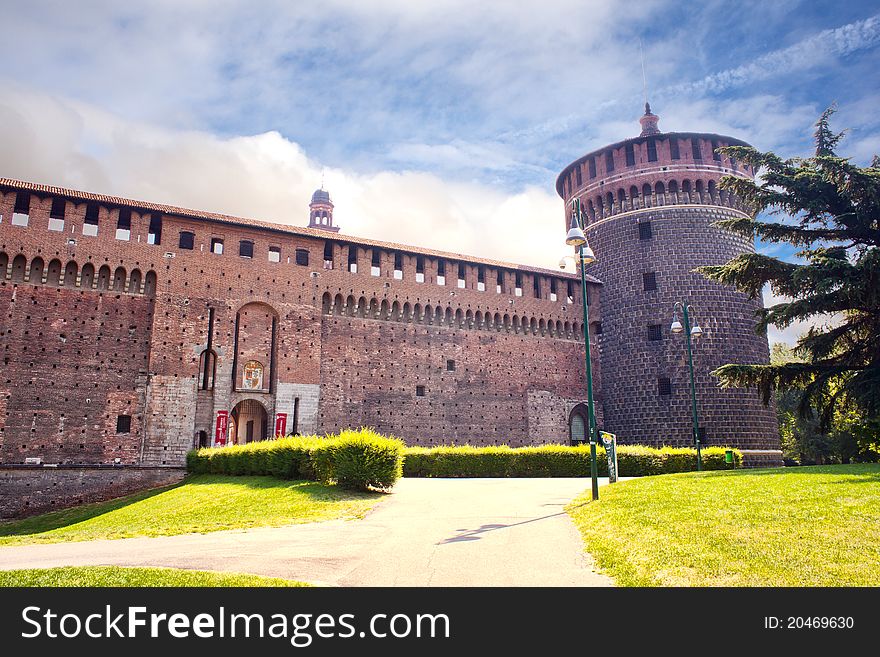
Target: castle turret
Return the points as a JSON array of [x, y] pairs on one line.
[[321, 212], [651, 202]]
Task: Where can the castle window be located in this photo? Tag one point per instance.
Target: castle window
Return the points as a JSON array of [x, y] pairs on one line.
[[420, 269], [673, 149], [207, 369], [499, 282], [579, 179], [375, 263], [596, 328], [481, 279], [123, 225], [553, 289], [517, 290], [398, 266], [90, 224], [645, 231], [123, 424], [695, 149], [630, 155], [154, 234], [56, 215], [461, 275], [420, 391], [187, 240], [664, 386], [352, 259], [441, 272], [328, 255], [536, 286], [217, 245], [649, 281], [246, 249], [652, 150], [302, 257], [450, 365], [715, 154], [274, 254], [654, 332], [22, 210], [592, 165], [609, 161], [569, 292]]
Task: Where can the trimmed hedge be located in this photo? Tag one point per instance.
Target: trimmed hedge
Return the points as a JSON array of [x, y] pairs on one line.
[[558, 461], [360, 460]]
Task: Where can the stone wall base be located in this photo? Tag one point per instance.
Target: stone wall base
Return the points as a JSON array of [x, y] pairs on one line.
[[762, 458], [29, 490]]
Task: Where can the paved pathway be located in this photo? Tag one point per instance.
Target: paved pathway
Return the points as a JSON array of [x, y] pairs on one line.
[[428, 532]]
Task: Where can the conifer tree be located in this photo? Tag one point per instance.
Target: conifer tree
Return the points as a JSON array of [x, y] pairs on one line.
[[830, 209]]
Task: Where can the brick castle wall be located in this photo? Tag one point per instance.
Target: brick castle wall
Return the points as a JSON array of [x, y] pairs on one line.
[[110, 294]]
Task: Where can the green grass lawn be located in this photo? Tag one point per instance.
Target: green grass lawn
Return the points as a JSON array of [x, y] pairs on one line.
[[811, 526], [116, 576], [203, 503]]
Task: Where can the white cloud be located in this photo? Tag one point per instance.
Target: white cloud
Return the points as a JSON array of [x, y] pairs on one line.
[[268, 177]]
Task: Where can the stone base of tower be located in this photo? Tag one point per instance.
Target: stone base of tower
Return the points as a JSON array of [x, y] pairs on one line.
[[762, 458]]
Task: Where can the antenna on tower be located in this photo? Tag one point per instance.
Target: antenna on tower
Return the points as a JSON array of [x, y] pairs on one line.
[[644, 77], [322, 178]]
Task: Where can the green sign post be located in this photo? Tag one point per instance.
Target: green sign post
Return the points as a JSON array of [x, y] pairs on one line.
[[609, 441]]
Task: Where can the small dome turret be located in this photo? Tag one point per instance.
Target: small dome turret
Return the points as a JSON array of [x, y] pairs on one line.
[[649, 122]]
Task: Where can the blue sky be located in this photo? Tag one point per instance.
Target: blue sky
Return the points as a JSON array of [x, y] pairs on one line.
[[438, 123]]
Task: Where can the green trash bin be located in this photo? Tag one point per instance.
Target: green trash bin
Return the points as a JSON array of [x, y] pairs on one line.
[[728, 456]]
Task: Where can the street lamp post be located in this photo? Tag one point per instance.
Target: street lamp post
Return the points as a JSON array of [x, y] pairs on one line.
[[576, 238], [689, 332]]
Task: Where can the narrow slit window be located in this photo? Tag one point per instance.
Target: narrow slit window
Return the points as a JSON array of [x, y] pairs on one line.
[[652, 150], [715, 154], [649, 281], [123, 424], [517, 290], [481, 279], [154, 234], [376, 263], [592, 166], [553, 287], [420, 269], [441, 272], [22, 211], [695, 149], [673, 149], [90, 224], [536, 286], [630, 155], [123, 225], [609, 161], [352, 259], [56, 215], [499, 282], [664, 386], [398, 266], [328, 255]]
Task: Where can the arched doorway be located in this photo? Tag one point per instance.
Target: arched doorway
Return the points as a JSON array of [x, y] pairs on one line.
[[577, 424], [249, 422]]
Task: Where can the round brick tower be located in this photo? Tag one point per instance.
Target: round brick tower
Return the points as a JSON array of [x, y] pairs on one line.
[[650, 202]]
